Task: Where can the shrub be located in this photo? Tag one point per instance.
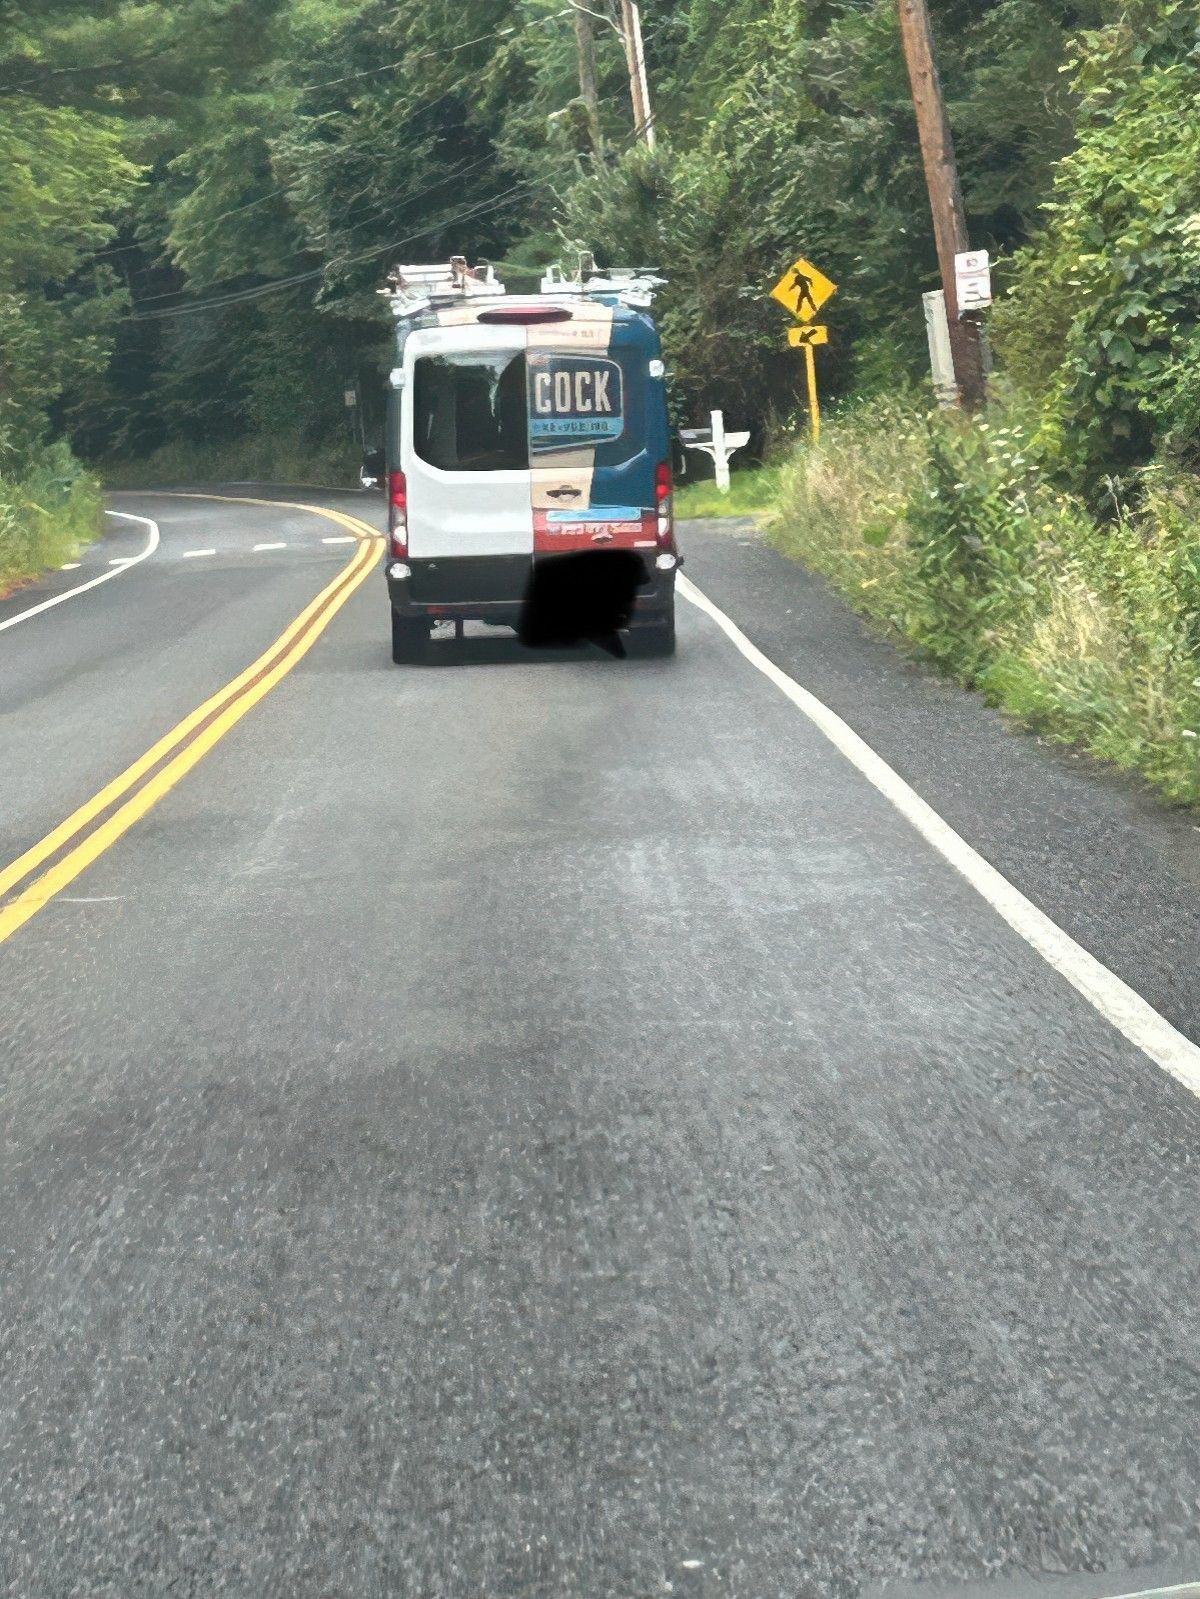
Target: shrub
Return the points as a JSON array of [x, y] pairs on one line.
[[46, 514], [1102, 321], [979, 533], [951, 532]]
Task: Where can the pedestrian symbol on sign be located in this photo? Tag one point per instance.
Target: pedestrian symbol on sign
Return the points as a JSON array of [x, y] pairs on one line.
[[804, 290], [802, 286]]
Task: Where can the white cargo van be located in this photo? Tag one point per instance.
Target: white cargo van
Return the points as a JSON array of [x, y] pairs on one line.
[[524, 430]]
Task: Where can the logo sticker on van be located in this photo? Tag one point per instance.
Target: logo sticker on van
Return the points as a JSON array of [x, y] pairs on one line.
[[574, 400]]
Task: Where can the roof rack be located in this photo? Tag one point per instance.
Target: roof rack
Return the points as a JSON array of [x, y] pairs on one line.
[[631, 286], [412, 290]]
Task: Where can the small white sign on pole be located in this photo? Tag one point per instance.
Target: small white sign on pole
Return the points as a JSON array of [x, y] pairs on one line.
[[973, 280]]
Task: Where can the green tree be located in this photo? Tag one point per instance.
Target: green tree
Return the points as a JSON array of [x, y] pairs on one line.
[[1104, 314]]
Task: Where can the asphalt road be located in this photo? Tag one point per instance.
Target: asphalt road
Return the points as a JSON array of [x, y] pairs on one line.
[[548, 1126]]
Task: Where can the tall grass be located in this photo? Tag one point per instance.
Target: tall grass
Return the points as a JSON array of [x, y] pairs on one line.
[[751, 491], [48, 512], [947, 531], [841, 507]]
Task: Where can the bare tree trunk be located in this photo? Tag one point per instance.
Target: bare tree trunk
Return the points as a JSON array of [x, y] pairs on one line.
[[585, 43]]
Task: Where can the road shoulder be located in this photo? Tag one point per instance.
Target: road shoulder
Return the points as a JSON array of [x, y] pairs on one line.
[[120, 540], [1093, 848]]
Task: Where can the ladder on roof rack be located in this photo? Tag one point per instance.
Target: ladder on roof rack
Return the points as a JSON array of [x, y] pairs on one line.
[[414, 289], [631, 286]]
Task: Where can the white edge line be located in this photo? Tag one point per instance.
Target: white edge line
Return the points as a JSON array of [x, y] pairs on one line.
[[113, 571], [1184, 1588], [1134, 1018]]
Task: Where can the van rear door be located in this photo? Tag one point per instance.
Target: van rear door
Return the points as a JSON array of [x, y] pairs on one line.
[[596, 434], [519, 441], [465, 445]]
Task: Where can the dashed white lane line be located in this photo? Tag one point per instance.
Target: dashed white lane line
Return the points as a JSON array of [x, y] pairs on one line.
[[193, 555], [1132, 1016], [114, 571], [280, 546], [339, 538]]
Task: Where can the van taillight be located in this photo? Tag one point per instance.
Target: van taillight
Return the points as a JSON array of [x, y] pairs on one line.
[[663, 486], [398, 514]]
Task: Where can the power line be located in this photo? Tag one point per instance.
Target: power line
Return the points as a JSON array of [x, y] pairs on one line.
[[254, 292], [338, 151], [262, 290], [96, 66], [425, 55], [333, 153], [353, 217], [259, 291], [300, 88]]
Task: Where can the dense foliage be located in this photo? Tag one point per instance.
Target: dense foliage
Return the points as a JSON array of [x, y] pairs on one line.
[[1104, 320], [213, 188]]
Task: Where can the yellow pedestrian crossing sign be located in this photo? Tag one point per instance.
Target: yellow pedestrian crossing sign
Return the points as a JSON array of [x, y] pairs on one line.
[[804, 290], [805, 338]]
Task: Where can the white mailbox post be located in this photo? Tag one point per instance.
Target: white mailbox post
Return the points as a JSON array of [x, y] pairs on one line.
[[717, 444]]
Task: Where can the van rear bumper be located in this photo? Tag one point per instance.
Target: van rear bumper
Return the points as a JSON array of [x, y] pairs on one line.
[[493, 588]]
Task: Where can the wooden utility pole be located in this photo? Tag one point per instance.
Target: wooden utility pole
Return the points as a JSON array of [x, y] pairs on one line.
[[589, 92], [945, 192], [639, 86]]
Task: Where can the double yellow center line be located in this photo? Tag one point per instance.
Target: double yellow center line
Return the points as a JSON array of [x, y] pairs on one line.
[[76, 842]]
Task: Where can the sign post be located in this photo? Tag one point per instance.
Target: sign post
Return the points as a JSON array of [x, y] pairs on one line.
[[720, 459], [804, 289], [814, 403]]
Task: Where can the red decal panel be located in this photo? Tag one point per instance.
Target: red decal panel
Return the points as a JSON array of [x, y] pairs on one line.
[[554, 532]]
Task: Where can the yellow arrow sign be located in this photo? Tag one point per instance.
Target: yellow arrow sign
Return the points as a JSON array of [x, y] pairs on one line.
[[803, 338], [804, 290]]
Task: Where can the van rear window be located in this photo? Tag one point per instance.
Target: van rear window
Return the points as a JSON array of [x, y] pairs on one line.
[[574, 401], [495, 411], [469, 411]]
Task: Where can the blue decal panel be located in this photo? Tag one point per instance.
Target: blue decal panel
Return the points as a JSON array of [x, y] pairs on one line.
[[575, 401]]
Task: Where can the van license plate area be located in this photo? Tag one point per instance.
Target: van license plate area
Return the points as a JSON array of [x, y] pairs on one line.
[[457, 580]]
